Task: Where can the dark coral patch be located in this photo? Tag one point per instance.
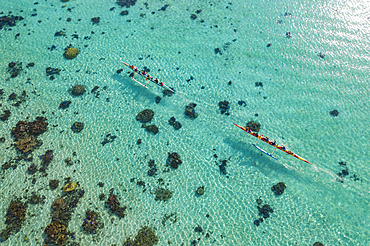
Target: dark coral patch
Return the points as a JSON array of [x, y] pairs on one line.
[[145, 116], [126, 3]]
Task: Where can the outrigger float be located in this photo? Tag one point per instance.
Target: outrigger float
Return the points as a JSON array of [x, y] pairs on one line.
[[272, 143], [147, 77]]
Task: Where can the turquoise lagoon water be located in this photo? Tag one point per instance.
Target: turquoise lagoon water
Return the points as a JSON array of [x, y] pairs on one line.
[[299, 90]]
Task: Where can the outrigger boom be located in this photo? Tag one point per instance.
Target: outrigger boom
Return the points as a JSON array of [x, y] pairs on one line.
[[272, 143], [147, 77]]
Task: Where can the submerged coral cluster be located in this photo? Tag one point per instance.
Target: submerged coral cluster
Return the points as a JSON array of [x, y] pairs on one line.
[[224, 107], [62, 214], [10, 20], [254, 126], [279, 188], [14, 68], [145, 116], [145, 236], [56, 233], [126, 3], [114, 206], [162, 194], [71, 53], [92, 222], [172, 121], [25, 134], [190, 111], [263, 211], [46, 159], [14, 218], [69, 187], [174, 160]]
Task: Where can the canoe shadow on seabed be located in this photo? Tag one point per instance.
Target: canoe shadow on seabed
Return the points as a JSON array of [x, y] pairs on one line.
[[136, 90], [148, 96], [250, 156]]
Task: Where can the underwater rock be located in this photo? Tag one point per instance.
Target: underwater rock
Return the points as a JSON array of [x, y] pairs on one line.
[[321, 55], [265, 211], [153, 168], [198, 229], [32, 168], [14, 68], [190, 112], [5, 116], [200, 190], [59, 34], [223, 167], [54, 184], [256, 222], [334, 113], [101, 197], [318, 244], [177, 125], [158, 99], [78, 90], [224, 107], [259, 201], [47, 157], [217, 50], [12, 96], [242, 103], [152, 128], [126, 3], [8, 165], [254, 126], [145, 116], [51, 71], [64, 104], [278, 189], [10, 20], [95, 20], [172, 121], [36, 199], [162, 194], [70, 187], [174, 160], [123, 13], [108, 139], [258, 84], [77, 127], [71, 53]]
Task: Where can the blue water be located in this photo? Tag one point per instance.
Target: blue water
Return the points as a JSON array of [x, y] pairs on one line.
[[311, 58]]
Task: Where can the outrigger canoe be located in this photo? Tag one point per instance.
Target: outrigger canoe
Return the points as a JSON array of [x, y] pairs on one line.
[[272, 143], [147, 77]]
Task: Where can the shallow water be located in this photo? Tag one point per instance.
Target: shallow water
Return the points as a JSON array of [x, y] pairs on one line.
[[299, 90]]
